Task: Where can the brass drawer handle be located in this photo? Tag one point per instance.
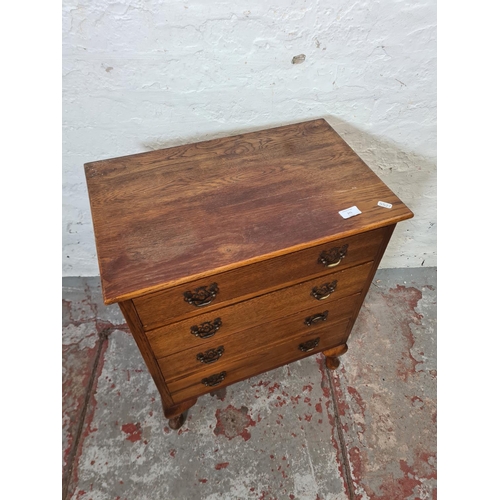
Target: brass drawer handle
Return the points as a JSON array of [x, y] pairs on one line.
[[215, 379], [324, 291], [202, 296], [207, 329], [333, 257], [210, 356], [315, 318], [309, 345]]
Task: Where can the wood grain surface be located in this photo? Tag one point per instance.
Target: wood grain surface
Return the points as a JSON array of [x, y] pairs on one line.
[[160, 308], [175, 215], [134, 323]]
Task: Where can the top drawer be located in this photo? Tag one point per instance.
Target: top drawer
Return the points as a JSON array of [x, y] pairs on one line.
[[183, 301]]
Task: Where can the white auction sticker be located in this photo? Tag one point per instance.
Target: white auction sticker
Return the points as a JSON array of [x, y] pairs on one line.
[[350, 212], [384, 204]]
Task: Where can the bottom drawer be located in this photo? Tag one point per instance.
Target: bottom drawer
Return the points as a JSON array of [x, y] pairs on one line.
[[293, 349]]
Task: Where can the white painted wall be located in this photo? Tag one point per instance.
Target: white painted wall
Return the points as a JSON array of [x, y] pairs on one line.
[[141, 75]]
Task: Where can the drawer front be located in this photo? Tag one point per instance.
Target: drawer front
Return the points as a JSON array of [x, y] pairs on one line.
[[161, 308], [257, 362], [257, 311], [219, 351]]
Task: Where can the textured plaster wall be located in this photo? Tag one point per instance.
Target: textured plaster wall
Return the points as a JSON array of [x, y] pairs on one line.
[[142, 75]]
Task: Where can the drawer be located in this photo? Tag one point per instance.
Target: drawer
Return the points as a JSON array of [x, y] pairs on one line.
[[226, 373], [257, 311], [227, 348], [160, 308]]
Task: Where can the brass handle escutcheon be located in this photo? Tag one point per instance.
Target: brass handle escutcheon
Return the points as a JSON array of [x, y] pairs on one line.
[[333, 256], [315, 318], [210, 356], [215, 379], [202, 296], [207, 329], [309, 345], [324, 291]]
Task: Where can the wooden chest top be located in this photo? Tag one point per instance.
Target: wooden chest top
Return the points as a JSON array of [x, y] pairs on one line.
[[170, 216]]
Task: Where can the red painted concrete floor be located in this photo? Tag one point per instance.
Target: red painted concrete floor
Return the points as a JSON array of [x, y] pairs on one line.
[[366, 431]]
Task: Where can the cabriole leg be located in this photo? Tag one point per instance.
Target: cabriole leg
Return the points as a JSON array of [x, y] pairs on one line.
[[177, 414], [331, 355]]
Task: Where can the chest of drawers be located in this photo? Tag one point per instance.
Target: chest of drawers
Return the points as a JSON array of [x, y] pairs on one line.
[[231, 257]]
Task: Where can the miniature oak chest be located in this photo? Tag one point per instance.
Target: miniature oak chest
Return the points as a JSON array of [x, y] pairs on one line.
[[235, 256]]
